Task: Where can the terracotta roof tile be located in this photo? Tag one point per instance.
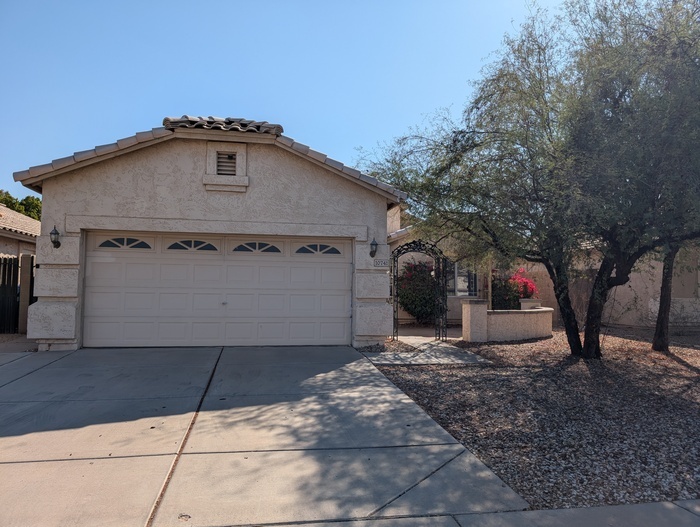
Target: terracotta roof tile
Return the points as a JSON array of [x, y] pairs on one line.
[[223, 123], [16, 222]]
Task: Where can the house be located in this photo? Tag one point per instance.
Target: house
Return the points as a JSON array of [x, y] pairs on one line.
[[635, 304], [209, 232], [463, 279], [18, 233]]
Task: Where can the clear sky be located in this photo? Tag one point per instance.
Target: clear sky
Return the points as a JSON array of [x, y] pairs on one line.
[[337, 75]]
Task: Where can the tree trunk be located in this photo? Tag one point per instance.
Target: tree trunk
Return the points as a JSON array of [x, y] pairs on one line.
[[594, 315], [560, 281], [661, 336]]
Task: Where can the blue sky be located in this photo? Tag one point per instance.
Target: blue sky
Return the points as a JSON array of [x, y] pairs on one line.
[[336, 75]]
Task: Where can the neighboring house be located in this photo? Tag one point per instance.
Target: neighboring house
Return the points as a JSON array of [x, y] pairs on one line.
[[18, 233], [209, 232], [637, 303], [634, 304]]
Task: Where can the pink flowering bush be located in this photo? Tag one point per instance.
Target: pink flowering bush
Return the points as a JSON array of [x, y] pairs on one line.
[[417, 291], [507, 292]]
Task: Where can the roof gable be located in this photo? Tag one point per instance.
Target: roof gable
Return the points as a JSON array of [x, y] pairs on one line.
[[176, 127]]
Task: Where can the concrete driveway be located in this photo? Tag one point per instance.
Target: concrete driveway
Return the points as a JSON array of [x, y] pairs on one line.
[[232, 436]]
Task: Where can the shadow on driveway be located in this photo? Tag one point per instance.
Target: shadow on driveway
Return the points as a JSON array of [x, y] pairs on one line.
[[273, 435]]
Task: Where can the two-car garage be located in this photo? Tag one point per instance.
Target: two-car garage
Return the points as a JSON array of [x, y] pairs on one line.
[[209, 231], [145, 289]]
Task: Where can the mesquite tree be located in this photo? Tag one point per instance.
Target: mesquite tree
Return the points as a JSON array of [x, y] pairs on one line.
[[580, 137]]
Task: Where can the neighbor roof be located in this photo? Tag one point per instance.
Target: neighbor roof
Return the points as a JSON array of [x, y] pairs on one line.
[[33, 177], [13, 221]]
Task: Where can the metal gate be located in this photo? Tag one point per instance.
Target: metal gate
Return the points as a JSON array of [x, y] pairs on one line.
[[440, 268], [9, 295]]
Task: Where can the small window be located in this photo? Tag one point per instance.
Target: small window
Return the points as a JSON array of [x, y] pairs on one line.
[[226, 163], [317, 248], [256, 247], [125, 243], [192, 245], [461, 280]]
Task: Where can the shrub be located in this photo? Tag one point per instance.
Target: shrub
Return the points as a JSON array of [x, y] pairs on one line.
[[417, 291], [507, 292]]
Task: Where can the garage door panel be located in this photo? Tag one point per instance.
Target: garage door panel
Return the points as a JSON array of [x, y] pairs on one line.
[[240, 302], [104, 302], [303, 331], [334, 277], [303, 276], [241, 331], [334, 330], [103, 332], [174, 302], [335, 305], [135, 301], [142, 333], [208, 273], [173, 332], [272, 275], [303, 304], [274, 304], [272, 331], [104, 273], [182, 298], [240, 275], [141, 272], [204, 333], [209, 302], [177, 273]]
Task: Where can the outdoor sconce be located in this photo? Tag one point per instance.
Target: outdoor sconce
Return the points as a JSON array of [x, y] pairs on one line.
[[54, 234], [373, 248]]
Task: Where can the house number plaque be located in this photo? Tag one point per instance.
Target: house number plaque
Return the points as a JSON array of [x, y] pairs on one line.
[[381, 263]]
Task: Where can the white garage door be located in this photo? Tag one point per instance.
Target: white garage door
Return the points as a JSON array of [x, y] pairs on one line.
[[189, 290]]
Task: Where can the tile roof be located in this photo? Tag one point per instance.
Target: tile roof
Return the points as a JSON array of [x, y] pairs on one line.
[[13, 221], [235, 124], [168, 131]]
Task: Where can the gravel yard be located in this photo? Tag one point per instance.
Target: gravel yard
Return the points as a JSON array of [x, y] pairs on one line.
[[567, 433]]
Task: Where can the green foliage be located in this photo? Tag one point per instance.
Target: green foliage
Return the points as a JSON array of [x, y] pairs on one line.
[[506, 291], [582, 132], [417, 291], [29, 206]]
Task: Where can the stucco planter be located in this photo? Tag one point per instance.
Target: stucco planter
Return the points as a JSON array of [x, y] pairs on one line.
[[481, 325]]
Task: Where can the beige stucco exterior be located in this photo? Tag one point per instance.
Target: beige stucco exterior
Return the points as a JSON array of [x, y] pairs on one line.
[[637, 303], [167, 187], [481, 325]]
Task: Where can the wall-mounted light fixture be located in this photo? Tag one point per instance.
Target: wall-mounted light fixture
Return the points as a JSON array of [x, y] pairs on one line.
[[54, 234], [373, 248]]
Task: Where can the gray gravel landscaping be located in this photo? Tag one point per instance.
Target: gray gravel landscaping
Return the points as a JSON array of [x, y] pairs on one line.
[[573, 433]]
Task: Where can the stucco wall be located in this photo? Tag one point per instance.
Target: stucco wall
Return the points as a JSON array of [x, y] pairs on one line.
[[482, 325], [161, 188], [637, 303]]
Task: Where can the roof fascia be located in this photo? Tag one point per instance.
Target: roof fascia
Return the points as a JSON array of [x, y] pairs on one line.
[[92, 156], [9, 233], [337, 168]]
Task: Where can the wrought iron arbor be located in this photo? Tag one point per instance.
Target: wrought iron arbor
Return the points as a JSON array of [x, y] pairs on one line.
[[439, 269]]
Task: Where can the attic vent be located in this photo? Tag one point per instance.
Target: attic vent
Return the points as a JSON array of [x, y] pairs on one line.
[[226, 163]]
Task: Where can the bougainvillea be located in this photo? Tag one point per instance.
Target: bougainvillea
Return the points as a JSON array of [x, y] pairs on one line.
[[507, 292], [417, 291]]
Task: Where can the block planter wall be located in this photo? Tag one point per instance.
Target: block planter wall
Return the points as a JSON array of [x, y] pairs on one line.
[[481, 325]]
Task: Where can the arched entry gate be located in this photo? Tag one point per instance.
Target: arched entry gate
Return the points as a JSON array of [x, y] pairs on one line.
[[440, 270]]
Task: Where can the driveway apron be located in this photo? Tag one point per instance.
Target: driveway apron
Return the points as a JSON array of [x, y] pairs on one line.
[[239, 436]]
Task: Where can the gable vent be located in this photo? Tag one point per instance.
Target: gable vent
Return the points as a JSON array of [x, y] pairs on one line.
[[226, 163]]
